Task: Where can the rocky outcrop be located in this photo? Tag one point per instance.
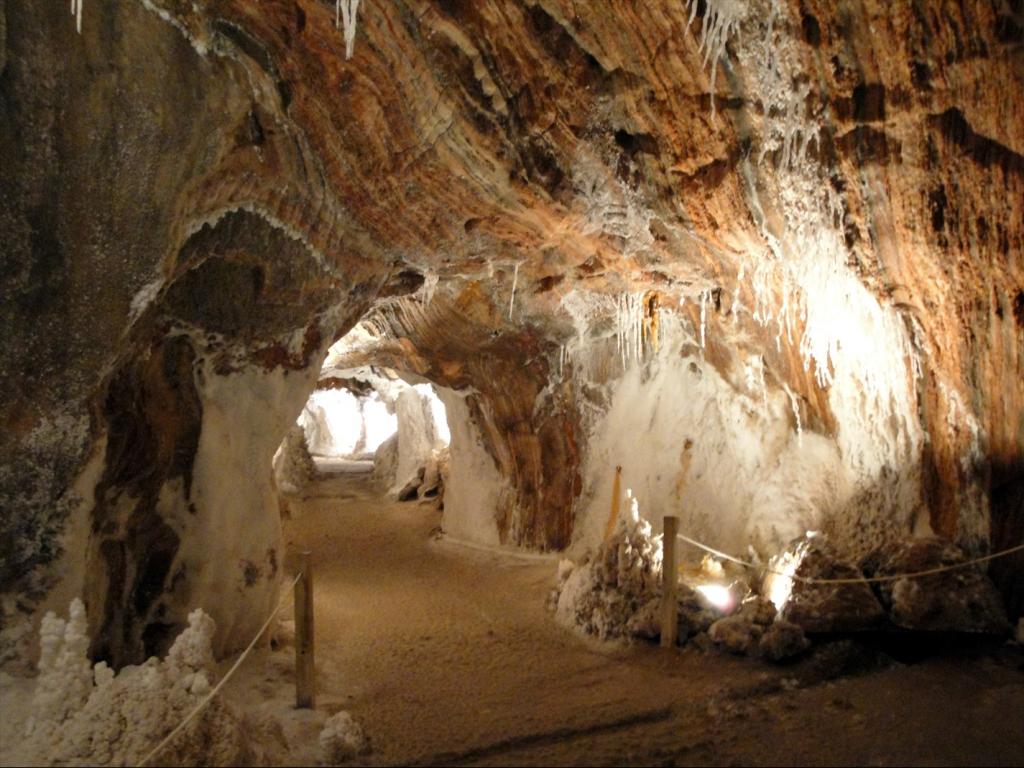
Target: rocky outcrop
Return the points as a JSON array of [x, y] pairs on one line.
[[961, 600], [828, 608], [782, 641]]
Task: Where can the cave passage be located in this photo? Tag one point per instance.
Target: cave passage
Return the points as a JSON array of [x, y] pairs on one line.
[[475, 300]]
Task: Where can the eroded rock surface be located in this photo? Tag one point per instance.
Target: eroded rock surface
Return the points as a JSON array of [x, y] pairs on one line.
[[828, 608], [962, 600]]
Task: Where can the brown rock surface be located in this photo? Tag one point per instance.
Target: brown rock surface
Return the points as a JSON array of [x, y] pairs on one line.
[[962, 600], [845, 607]]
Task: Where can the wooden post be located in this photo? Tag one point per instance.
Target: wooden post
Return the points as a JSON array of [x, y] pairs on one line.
[[305, 667], [669, 579]]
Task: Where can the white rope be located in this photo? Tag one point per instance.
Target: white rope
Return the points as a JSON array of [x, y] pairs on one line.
[[859, 579], [209, 697]]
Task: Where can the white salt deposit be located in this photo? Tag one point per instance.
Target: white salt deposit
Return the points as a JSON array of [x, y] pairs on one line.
[[474, 486], [600, 596], [729, 464], [82, 714], [341, 739]]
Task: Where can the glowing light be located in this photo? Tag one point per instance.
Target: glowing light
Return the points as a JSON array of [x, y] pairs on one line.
[[378, 424], [718, 595], [778, 583], [437, 413], [337, 423]]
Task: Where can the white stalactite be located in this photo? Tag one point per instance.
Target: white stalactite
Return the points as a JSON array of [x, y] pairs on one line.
[[347, 10], [629, 327], [76, 11], [704, 295], [721, 20], [515, 281]]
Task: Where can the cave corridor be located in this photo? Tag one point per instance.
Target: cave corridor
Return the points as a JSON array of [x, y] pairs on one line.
[[469, 301]]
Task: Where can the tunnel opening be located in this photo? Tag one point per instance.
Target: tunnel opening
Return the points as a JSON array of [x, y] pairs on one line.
[[370, 420]]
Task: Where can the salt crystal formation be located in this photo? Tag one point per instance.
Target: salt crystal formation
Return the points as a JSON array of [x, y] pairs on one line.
[[88, 715], [342, 738], [294, 468], [600, 597]]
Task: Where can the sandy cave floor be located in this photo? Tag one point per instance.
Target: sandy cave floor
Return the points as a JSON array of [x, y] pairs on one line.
[[447, 655]]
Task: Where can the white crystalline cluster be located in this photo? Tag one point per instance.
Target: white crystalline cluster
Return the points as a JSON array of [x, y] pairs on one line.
[[192, 649], [83, 715], [342, 738], [65, 676], [600, 596], [721, 20]]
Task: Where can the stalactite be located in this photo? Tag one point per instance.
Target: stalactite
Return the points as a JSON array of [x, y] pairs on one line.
[[76, 11], [721, 19], [346, 10], [515, 281]]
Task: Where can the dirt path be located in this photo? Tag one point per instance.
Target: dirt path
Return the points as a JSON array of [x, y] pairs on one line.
[[447, 656]]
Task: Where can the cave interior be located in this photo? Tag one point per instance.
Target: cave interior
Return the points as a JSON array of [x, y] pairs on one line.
[[471, 301]]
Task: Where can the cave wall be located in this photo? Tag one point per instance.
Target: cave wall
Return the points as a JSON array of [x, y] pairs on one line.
[[163, 325], [474, 487]]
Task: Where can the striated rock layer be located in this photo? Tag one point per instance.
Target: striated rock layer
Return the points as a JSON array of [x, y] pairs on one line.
[[792, 240]]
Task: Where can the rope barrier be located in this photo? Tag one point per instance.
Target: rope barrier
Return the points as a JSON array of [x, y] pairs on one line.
[[861, 579], [209, 697]]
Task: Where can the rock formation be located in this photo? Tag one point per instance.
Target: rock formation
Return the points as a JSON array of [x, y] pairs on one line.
[[765, 255]]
